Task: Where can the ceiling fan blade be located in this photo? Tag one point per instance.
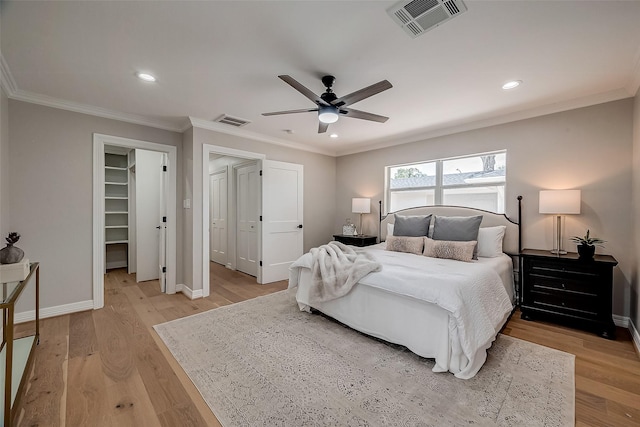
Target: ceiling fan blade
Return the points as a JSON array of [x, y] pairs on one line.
[[303, 110], [322, 127], [361, 94], [357, 114], [302, 89]]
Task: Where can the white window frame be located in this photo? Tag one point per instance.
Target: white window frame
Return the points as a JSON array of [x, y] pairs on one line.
[[438, 187]]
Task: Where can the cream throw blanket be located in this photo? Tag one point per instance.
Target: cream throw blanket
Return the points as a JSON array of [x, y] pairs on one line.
[[335, 268]]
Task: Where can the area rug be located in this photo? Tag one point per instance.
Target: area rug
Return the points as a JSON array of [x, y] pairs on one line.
[[262, 362]]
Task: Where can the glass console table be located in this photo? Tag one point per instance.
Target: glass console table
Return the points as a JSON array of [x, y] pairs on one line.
[[16, 354]]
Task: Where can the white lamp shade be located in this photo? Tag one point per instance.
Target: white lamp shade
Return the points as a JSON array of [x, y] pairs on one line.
[[360, 205], [560, 202]]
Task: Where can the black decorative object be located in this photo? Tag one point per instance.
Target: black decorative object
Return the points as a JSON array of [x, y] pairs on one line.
[[586, 251], [11, 254], [587, 245]]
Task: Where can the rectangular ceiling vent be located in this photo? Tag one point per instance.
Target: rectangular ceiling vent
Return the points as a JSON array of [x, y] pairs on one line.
[[233, 121], [419, 16]]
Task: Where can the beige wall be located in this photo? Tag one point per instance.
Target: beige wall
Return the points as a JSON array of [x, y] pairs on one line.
[[588, 149], [187, 178], [50, 197], [4, 164], [319, 190], [635, 286]]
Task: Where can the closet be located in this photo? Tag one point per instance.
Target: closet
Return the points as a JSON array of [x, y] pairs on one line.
[[116, 207], [135, 211]]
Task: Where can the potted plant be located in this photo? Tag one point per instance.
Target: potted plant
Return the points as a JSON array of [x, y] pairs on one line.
[[587, 245]]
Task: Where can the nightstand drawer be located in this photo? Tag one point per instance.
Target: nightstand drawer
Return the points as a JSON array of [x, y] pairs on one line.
[[566, 303], [577, 271], [569, 284]]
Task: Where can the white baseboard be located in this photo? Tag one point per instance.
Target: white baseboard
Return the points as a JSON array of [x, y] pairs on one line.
[[59, 310], [621, 321], [179, 287], [635, 336], [190, 293]]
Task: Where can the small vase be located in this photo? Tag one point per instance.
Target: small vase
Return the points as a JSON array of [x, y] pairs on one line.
[[586, 251], [11, 255]]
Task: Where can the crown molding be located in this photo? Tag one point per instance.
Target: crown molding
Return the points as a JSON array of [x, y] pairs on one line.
[[48, 101], [450, 129], [634, 84], [230, 130], [6, 78]]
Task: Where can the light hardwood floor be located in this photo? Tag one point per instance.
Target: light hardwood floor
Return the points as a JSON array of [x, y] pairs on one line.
[[108, 367]]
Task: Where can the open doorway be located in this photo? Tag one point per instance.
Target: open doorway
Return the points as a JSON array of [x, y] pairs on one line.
[[223, 243], [279, 226], [134, 211], [234, 212]]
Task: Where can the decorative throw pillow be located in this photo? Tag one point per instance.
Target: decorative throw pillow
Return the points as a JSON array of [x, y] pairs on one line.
[[411, 225], [412, 245], [490, 241], [447, 249], [457, 229]]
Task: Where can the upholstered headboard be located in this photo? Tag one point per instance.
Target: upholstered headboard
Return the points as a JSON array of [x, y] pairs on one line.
[[512, 239]]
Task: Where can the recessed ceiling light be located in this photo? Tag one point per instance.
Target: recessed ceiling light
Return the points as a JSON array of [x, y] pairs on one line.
[[511, 85], [333, 135], [146, 77]]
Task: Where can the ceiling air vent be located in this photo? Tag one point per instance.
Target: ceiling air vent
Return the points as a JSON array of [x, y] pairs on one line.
[[233, 121], [419, 16]]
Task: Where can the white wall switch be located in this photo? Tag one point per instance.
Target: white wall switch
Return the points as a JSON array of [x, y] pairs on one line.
[[186, 203]]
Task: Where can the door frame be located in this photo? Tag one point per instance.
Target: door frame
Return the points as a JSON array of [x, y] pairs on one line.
[[208, 149], [99, 141]]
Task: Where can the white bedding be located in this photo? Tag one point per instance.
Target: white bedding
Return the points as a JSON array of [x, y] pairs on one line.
[[465, 305]]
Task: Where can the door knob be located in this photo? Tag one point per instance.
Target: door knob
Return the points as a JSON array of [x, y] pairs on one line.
[[158, 227], [300, 226]]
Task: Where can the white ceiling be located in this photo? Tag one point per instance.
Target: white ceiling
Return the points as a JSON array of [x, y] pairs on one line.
[[218, 57]]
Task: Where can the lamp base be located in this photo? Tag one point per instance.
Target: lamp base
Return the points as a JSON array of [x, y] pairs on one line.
[[558, 252]]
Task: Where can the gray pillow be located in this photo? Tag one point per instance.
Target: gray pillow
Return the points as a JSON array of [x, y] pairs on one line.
[[457, 229], [412, 226]]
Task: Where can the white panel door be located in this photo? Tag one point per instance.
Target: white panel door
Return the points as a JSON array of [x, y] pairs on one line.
[[247, 216], [282, 214], [148, 219], [218, 216]]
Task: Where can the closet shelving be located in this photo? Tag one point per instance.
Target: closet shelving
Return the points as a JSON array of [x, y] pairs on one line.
[[116, 204]]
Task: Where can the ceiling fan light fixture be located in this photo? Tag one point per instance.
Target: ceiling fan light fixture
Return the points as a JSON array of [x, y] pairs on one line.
[[328, 114]]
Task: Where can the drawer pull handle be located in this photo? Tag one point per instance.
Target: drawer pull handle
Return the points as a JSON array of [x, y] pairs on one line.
[[563, 286]]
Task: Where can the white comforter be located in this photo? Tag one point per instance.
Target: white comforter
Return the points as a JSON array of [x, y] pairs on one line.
[[472, 293]]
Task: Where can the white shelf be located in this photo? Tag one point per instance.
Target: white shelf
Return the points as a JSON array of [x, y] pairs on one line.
[[116, 199]]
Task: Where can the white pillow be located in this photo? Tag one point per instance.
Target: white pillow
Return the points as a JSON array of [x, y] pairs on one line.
[[490, 241], [389, 229]]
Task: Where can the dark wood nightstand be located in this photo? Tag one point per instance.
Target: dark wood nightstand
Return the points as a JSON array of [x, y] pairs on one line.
[[568, 289], [361, 240]]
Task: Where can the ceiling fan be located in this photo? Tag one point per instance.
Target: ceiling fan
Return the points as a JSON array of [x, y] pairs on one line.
[[330, 107]]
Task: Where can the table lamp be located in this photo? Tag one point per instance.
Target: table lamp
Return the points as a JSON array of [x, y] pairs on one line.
[[361, 206], [559, 203]]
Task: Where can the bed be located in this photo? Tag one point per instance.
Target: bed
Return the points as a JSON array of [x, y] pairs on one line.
[[386, 305]]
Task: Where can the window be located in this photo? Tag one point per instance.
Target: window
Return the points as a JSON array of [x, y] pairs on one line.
[[476, 181]]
